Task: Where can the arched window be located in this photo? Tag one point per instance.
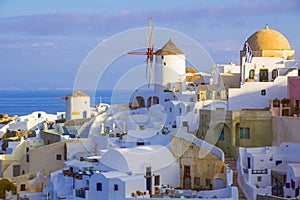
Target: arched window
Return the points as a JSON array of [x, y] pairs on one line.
[[251, 73], [263, 75], [274, 73]]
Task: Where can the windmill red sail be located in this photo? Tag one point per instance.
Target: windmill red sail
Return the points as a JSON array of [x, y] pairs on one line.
[[150, 51]]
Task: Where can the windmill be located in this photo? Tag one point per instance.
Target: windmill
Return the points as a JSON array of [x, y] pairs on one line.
[[150, 51]]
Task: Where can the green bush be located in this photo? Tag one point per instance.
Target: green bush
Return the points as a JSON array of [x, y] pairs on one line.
[[6, 185]]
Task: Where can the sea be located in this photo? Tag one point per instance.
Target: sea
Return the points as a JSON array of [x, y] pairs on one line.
[[24, 102]]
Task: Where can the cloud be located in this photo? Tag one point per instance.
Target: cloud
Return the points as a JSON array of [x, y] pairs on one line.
[[60, 41], [96, 23]]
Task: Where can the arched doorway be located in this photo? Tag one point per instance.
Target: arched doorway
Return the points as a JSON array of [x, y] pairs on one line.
[[223, 132], [219, 181], [237, 134], [153, 100], [140, 101]]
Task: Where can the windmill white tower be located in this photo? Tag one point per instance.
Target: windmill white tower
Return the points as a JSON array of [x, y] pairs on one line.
[[78, 106], [170, 64]]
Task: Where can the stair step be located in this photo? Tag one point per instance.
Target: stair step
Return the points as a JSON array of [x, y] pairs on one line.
[[231, 163]]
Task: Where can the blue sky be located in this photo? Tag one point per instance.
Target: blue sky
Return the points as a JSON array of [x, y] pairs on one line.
[[43, 43]]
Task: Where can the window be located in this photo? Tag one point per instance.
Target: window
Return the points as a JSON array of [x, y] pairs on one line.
[[165, 63], [27, 149], [251, 73], [99, 186], [87, 182], [245, 133], [23, 187], [58, 156], [221, 137], [157, 180], [148, 171], [27, 157], [116, 187], [208, 182], [297, 103], [277, 162], [187, 170], [274, 73], [185, 124], [140, 143], [209, 95], [263, 92], [180, 110], [259, 179], [16, 170], [292, 184], [170, 110], [263, 75], [80, 193], [196, 182], [217, 94], [162, 57]]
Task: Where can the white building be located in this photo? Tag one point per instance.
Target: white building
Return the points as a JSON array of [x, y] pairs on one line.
[[78, 106], [265, 77], [292, 186], [269, 170], [170, 68], [31, 121], [119, 174]]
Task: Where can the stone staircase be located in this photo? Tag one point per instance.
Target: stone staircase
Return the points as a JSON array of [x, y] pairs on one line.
[[231, 163]]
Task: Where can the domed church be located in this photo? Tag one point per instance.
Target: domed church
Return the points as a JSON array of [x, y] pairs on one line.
[[269, 43], [266, 62]]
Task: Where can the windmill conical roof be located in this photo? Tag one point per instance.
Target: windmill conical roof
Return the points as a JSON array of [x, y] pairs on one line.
[[169, 49], [78, 93]]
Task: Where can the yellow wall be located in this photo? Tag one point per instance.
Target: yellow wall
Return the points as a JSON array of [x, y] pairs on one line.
[[259, 122], [202, 163], [43, 159]]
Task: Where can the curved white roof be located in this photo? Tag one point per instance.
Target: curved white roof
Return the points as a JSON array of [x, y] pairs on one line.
[[135, 160], [295, 169]]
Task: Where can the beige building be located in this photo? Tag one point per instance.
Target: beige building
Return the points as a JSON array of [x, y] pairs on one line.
[[36, 184], [199, 169], [26, 159], [50, 137], [239, 128]]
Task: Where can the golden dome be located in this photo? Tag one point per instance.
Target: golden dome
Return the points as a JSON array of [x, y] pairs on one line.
[[268, 39]]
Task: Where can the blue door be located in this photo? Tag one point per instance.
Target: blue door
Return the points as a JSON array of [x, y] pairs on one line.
[[148, 184], [84, 114]]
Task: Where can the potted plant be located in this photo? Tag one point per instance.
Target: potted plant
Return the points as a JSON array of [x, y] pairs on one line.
[[285, 102]]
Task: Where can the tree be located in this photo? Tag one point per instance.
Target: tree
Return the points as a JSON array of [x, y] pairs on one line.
[[6, 185]]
